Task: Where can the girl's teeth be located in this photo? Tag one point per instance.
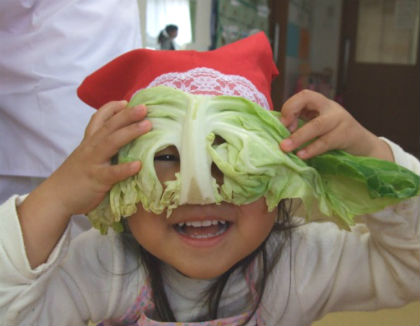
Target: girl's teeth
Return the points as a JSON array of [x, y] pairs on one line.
[[198, 224], [202, 229]]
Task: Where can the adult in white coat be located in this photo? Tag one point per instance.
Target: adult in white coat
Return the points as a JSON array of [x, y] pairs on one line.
[[47, 48]]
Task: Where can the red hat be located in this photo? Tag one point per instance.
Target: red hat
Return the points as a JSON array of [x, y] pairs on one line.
[[244, 68]]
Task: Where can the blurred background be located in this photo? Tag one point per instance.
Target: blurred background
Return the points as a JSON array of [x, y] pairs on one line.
[[362, 53]]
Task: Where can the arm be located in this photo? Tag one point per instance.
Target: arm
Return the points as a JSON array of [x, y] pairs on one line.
[[377, 264], [82, 181], [39, 273], [76, 284]]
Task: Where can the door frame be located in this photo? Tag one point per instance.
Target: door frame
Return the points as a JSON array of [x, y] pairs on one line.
[[347, 51], [278, 29]]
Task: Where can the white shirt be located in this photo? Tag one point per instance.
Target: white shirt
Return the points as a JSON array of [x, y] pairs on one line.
[[322, 269], [47, 48]]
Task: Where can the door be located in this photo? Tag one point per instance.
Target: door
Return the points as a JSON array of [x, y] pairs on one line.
[[278, 34], [379, 81]]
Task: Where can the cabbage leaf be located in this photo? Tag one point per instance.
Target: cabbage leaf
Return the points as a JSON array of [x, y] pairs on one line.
[[337, 184]]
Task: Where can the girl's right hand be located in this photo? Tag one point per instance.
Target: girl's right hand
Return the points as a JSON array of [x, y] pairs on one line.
[[83, 180], [87, 175]]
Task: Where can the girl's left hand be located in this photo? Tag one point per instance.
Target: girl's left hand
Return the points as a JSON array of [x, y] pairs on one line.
[[329, 126]]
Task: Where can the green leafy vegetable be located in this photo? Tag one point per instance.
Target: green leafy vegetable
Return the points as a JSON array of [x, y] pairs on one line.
[[337, 184]]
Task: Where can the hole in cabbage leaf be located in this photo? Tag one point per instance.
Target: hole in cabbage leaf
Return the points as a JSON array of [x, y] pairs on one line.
[[215, 171], [217, 174], [167, 163], [218, 140]]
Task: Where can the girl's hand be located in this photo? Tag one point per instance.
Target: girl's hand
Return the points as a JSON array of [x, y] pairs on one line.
[[329, 126], [87, 175], [83, 180]]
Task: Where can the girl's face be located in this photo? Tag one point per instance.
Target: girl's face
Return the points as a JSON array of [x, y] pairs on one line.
[[201, 241], [173, 34]]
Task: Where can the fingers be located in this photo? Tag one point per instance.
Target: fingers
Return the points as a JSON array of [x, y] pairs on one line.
[[113, 126], [318, 146], [124, 118], [319, 130], [117, 139], [327, 127], [305, 105], [115, 173], [114, 115], [103, 114]]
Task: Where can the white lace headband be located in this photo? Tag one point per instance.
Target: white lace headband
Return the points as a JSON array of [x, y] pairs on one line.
[[207, 81]]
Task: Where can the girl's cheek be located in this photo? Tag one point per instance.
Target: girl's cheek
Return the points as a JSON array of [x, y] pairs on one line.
[[258, 207], [258, 216]]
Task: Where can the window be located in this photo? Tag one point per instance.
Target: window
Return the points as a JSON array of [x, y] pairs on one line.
[[387, 31], [160, 13]]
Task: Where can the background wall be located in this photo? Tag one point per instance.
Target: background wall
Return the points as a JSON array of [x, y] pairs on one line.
[[142, 9], [202, 26], [325, 29], [313, 35], [297, 44]]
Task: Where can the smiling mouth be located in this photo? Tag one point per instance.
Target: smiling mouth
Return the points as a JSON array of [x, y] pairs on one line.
[[202, 229]]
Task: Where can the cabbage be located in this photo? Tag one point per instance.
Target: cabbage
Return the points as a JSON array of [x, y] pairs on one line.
[[337, 184]]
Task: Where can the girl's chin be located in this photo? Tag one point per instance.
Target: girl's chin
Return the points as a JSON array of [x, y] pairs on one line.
[[202, 274]]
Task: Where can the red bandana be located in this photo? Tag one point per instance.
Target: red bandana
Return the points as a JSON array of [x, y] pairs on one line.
[[244, 68]]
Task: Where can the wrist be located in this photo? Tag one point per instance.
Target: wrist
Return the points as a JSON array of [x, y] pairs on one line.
[[43, 221], [381, 150]]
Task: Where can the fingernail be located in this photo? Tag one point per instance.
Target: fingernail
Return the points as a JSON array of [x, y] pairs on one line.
[[302, 154], [144, 125], [287, 144], [134, 166], [139, 108], [282, 120], [293, 126]]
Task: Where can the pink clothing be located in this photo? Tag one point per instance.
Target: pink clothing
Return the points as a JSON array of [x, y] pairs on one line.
[[137, 315]]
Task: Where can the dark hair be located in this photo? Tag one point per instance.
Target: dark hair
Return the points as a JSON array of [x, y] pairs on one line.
[[152, 265], [167, 30]]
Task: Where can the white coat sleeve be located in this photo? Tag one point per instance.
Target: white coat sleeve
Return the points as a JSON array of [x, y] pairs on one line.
[[80, 281], [375, 266]]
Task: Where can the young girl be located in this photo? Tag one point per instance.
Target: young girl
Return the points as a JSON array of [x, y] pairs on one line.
[[232, 265], [167, 36]]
